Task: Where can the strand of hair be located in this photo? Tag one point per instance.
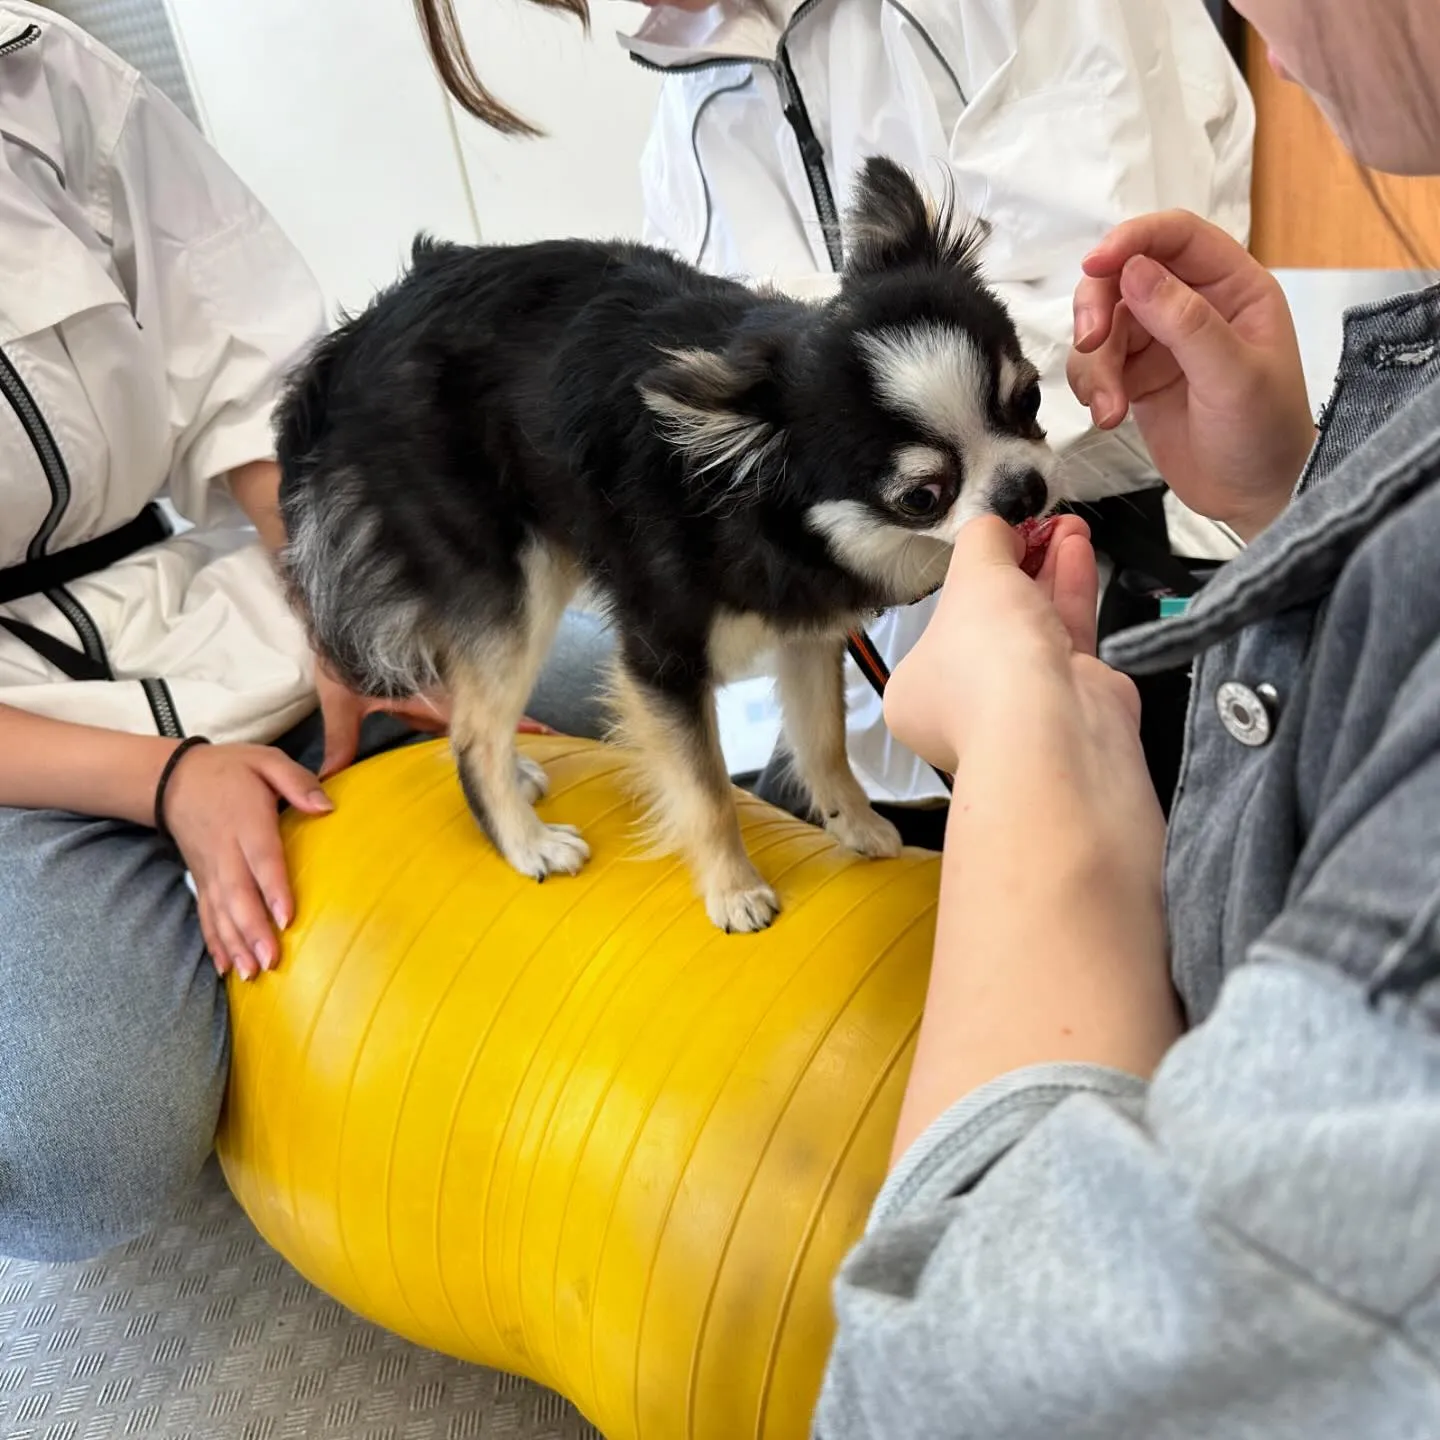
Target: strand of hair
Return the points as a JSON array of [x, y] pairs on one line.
[[453, 63]]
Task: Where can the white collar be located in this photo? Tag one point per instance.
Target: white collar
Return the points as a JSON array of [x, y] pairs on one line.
[[730, 30]]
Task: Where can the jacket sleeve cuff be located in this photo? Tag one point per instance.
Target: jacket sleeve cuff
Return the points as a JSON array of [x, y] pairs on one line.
[[963, 1143]]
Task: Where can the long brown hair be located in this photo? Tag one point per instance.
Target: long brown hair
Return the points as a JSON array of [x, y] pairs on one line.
[[441, 28]]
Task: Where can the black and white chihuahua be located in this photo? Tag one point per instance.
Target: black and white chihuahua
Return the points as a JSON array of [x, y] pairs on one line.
[[730, 471]]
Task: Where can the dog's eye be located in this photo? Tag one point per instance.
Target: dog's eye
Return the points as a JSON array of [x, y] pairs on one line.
[[923, 500], [1027, 405]]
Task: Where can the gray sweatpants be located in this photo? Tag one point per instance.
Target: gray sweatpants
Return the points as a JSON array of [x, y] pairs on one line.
[[114, 1040]]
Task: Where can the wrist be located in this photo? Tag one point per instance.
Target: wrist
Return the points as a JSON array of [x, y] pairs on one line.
[[123, 772], [1256, 519], [1251, 520], [1058, 867], [1028, 856], [140, 777], [1045, 951], [50, 764], [164, 784]]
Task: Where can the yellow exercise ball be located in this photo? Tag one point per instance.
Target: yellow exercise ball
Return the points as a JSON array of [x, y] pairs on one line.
[[571, 1130]]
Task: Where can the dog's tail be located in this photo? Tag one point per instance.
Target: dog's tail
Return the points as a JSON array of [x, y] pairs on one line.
[[343, 583], [301, 416]]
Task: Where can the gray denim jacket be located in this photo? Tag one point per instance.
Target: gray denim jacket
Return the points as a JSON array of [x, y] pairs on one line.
[[1248, 1246]]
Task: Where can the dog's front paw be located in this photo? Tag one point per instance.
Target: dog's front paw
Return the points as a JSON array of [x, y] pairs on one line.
[[533, 781], [743, 911], [866, 833], [552, 850]]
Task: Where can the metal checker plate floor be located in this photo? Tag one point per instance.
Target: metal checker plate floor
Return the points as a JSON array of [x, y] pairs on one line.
[[200, 1331]]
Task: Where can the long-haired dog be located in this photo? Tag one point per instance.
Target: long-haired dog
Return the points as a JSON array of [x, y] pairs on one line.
[[732, 472]]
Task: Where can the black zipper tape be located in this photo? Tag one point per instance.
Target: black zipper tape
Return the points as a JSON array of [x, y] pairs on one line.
[[162, 707], [812, 156], [812, 152], [35, 577], [26, 37], [47, 452]]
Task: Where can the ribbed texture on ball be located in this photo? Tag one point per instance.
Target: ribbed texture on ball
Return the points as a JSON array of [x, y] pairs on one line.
[[571, 1130]]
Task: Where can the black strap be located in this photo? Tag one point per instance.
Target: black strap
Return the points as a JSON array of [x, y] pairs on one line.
[[72, 663], [1131, 530], [49, 572]]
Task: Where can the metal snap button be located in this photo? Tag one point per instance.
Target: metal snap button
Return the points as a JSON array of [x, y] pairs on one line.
[[1244, 712]]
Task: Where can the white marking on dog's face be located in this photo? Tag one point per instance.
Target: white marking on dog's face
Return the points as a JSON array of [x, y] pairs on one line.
[[933, 376], [903, 564], [1010, 378], [938, 378], [914, 463]]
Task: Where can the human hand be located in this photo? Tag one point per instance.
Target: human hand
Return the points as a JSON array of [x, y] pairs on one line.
[[1005, 645], [1050, 934], [1005, 692], [221, 807], [1177, 322], [343, 711]]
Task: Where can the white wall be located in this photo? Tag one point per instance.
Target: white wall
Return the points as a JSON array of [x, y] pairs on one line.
[[330, 111], [592, 101]]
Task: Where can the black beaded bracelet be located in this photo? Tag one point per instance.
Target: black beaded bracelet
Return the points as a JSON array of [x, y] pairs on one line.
[[163, 783]]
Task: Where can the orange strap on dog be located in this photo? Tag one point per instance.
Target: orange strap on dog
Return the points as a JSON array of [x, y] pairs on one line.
[[877, 672]]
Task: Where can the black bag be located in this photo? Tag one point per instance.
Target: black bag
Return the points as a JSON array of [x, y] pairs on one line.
[[1131, 531]]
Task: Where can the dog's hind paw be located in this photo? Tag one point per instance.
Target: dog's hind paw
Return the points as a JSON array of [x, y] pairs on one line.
[[742, 912], [552, 850], [866, 833], [531, 777]]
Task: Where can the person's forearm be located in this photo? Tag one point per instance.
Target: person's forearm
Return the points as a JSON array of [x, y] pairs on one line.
[[51, 765], [256, 488], [1045, 951]]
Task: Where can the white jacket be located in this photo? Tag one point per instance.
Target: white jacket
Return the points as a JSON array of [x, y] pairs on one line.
[[148, 308], [1054, 119]]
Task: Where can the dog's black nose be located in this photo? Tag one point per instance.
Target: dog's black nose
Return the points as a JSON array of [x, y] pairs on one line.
[[1021, 497]]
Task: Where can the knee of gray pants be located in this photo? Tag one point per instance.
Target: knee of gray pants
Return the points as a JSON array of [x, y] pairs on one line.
[[114, 1043]]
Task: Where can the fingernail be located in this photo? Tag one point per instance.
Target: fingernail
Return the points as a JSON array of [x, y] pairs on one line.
[[280, 915], [1086, 323], [264, 955], [321, 801], [1142, 277]]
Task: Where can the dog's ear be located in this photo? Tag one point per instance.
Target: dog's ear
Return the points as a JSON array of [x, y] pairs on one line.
[[724, 409], [892, 224]]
